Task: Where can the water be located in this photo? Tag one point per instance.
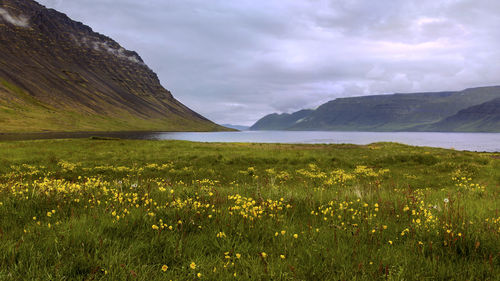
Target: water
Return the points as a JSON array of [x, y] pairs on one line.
[[461, 141]]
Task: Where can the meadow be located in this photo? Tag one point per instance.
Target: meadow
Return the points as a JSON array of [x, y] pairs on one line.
[[95, 209]]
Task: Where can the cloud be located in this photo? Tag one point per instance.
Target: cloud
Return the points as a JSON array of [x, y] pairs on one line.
[[109, 47], [119, 52], [235, 61], [20, 21]]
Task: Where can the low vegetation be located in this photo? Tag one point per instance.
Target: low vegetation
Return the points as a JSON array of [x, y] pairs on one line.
[[172, 210], [20, 112]]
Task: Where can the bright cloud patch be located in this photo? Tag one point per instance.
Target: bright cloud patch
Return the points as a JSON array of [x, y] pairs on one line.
[[20, 21]]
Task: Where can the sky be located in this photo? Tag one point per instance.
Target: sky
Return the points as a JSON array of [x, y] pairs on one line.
[[236, 61]]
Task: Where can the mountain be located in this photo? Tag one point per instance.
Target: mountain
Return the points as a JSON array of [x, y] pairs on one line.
[[236, 127], [56, 74], [484, 117], [396, 112], [281, 121]]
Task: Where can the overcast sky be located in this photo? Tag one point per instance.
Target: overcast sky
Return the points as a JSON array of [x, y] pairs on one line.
[[236, 61]]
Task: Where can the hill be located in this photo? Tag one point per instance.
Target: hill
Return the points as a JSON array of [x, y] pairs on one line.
[[56, 74], [396, 112]]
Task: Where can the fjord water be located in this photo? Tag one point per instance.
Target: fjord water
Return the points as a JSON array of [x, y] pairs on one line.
[[461, 141], [489, 142]]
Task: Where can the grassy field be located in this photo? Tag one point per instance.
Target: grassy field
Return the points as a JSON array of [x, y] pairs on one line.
[[172, 210]]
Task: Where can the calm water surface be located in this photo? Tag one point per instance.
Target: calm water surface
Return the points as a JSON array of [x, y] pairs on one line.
[[461, 141]]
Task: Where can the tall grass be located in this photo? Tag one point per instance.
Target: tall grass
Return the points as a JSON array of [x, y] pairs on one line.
[[171, 210]]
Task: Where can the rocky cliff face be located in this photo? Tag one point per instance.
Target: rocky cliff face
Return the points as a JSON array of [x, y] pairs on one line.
[[52, 67]]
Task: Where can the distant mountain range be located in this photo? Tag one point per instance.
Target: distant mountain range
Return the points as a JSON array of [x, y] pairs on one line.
[[58, 75], [470, 110], [236, 127]]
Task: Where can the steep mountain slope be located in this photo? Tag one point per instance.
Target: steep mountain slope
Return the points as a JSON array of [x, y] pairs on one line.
[[57, 74], [396, 112], [484, 117]]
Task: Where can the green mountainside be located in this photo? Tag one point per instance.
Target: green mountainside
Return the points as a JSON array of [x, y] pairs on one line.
[[484, 117], [396, 112], [280, 121], [58, 75]]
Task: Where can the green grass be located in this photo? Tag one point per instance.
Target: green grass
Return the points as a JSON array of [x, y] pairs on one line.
[[120, 210], [28, 118], [22, 113]]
